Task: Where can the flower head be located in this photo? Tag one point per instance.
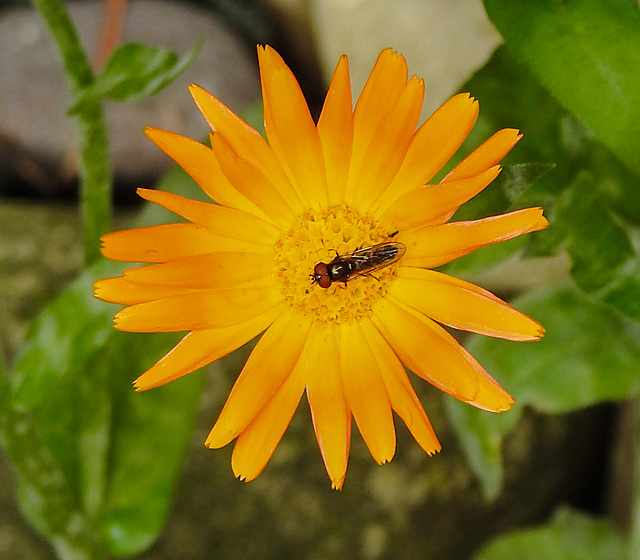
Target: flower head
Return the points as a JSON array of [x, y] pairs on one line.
[[330, 193]]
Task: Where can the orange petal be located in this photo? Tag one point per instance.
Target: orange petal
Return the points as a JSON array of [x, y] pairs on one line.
[[120, 290], [487, 155], [245, 140], [401, 394], [436, 203], [385, 84], [433, 246], [366, 393], [251, 181], [201, 164], [256, 234], [389, 144], [329, 411], [432, 146], [267, 368], [159, 243], [290, 129], [335, 129], [211, 271], [433, 354], [256, 444], [206, 309], [199, 348], [462, 305]]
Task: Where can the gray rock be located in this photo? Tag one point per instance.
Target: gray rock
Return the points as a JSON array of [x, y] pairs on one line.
[[34, 96]]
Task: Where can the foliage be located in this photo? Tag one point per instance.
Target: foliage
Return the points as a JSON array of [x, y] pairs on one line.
[[567, 77], [97, 463]]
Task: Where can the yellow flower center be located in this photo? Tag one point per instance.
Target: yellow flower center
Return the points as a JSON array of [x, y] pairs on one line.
[[319, 237]]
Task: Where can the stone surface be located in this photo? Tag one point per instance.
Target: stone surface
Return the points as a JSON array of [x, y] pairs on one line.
[[444, 41], [39, 253], [34, 96]]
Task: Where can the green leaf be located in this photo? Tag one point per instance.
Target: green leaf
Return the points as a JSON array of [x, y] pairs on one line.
[[151, 432], [587, 53], [481, 435], [604, 261], [598, 245], [506, 192], [90, 448], [569, 535], [134, 72], [65, 335], [590, 354], [503, 195], [589, 197]]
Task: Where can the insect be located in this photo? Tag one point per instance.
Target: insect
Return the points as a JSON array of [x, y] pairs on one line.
[[361, 262]]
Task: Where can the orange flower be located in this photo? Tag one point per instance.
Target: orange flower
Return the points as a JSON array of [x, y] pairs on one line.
[[245, 265]]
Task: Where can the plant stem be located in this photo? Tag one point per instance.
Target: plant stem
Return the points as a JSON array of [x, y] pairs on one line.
[[95, 164]]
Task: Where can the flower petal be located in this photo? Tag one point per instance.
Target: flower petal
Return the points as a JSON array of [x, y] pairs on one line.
[[335, 129], [366, 393], [256, 444], [157, 244], [432, 146], [436, 203], [257, 234], [433, 354], [401, 394], [429, 247], [389, 145], [205, 309], [290, 129], [267, 368], [246, 140], [120, 290], [211, 271], [487, 155], [199, 348], [462, 305], [329, 411], [201, 164], [251, 182], [385, 84]]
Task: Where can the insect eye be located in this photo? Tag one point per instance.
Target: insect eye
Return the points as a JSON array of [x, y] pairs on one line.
[[321, 275]]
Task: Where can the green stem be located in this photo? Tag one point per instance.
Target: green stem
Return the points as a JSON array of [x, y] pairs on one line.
[[95, 165]]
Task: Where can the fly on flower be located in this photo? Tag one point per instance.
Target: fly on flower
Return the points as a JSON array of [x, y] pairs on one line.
[[240, 267], [361, 262]]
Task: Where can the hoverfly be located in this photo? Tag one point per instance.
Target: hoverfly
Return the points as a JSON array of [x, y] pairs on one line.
[[361, 262]]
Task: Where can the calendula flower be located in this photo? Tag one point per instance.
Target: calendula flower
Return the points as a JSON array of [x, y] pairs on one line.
[[310, 192]]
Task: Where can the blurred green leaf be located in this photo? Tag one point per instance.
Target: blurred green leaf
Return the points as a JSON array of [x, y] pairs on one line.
[[503, 195], [63, 337], [589, 355], [587, 53], [569, 535], [510, 96], [481, 436], [589, 197], [151, 432], [113, 454], [599, 247], [134, 72]]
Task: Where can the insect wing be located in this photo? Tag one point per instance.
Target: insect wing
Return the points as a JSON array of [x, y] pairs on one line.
[[370, 259]]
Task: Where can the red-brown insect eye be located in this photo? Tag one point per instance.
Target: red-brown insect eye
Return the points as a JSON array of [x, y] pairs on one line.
[[321, 275]]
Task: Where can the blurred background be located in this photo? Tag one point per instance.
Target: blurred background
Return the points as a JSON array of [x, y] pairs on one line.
[[415, 507]]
